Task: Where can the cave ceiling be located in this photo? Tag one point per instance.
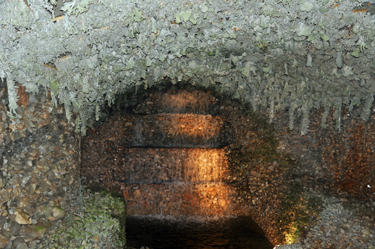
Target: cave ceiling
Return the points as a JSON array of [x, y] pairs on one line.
[[301, 55]]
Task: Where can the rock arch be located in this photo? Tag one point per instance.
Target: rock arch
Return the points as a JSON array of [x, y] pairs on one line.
[[170, 156]]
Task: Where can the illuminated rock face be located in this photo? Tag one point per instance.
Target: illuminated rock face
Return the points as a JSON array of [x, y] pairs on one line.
[[170, 163]]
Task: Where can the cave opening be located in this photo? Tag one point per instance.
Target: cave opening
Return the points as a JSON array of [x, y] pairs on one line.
[[186, 160]]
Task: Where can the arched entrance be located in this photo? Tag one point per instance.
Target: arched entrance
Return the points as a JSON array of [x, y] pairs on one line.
[[187, 152]]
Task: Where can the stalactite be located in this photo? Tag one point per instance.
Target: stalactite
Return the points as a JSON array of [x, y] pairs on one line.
[[292, 107], [12, 96], [305, 119], [367, 107], [325, 113], [271, 100]]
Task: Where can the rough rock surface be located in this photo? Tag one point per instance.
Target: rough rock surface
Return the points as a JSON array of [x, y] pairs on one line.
[[38, 164], [297, 196]]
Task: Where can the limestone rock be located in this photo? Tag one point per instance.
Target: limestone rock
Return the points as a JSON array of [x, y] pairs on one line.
[[57, 213], [21, 217]]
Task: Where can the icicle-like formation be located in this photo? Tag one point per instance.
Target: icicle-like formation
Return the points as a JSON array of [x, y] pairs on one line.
[[325, 113], [271, 99], [337, 114], [305, 120], [97, 113], [12, 95], [292, 107], [78, 124], [254, 100], [367, 108]]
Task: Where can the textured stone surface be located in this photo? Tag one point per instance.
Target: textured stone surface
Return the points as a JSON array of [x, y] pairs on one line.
[[36, 153], [300, 55]]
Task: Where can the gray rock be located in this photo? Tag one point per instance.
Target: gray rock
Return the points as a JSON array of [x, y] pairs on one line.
[[8, 246], [15, 228], [4, 196], [25, 230], [2, 220], [18, 241], [22, 246]]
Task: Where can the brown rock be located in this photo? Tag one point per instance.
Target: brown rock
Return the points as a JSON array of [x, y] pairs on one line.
[[222, 203], [187, 196], [127, 124], [3, 241], [22, 96], [125, 193], [4, 196], [137, 193]]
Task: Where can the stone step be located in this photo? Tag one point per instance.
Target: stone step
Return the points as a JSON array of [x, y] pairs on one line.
[[173, 130], [158, 165], [181, 198], [180, 101], [161, 130]]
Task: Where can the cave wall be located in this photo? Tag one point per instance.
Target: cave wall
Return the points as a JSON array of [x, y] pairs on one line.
[[39, 162], [304, 57]]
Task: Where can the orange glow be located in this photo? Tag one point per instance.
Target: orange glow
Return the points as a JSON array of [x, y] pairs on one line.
[[206, 165], [192, 125], [199, 188]]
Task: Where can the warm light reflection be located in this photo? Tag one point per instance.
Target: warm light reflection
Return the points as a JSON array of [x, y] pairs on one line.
[[207, 165], [197, 187], [192, 125]]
